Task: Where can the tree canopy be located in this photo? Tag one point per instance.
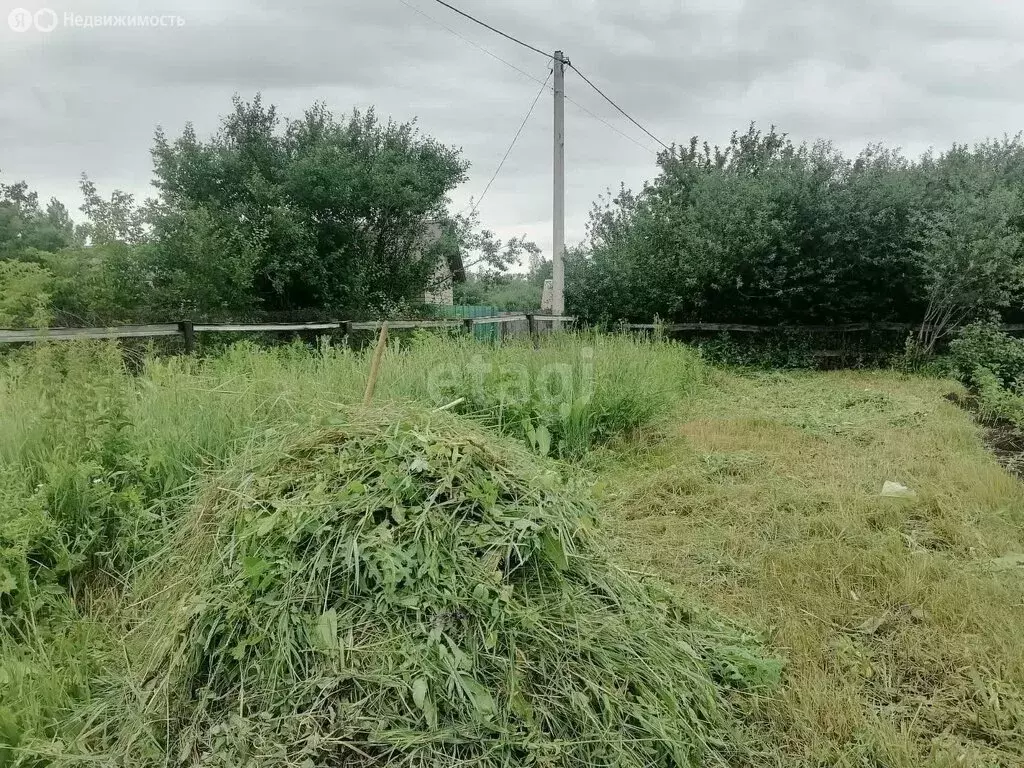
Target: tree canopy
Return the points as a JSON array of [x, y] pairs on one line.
[[768, 231], [349, 216], [320, 215]]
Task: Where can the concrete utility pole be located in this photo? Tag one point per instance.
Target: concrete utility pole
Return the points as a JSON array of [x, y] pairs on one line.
[[558, 247]]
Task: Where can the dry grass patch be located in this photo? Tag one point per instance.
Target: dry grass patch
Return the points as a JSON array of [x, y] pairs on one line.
[[901, 627]]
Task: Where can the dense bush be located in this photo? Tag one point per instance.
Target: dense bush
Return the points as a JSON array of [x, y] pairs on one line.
[[765, 231], [786, 349], [986, 346], [320, 216], [991, 363], [25, 292], [994, 401]]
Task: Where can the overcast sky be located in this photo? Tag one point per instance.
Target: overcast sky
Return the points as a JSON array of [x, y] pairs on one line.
[[910, 73]]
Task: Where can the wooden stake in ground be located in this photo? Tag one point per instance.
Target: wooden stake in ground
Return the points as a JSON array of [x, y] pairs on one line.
[[378, 353]]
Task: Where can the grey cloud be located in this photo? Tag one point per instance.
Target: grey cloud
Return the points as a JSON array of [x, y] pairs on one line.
[[912, 73]]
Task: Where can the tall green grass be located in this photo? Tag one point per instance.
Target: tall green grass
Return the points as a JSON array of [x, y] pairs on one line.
[[99, 458]]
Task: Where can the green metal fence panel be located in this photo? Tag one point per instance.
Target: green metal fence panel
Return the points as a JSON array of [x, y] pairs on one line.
[[485, 332]]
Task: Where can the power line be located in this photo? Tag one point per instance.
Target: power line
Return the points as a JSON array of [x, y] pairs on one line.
[[468, 40], [495, 30], [608, 99], [543, 87], [605, 122], [526, 74]]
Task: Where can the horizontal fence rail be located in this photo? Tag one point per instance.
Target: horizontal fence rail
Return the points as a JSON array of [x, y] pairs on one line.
[[399, 325], [745, 328], [187, 329], [66, 334], [260, 327], [535, 321]]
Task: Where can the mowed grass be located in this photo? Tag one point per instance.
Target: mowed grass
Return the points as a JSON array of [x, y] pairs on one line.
[[901, 621]]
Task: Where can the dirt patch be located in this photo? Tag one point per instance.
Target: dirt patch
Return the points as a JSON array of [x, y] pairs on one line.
[[1003, 438], [1006, 441]]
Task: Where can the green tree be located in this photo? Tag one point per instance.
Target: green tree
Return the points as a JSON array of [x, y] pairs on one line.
[[971, 258], [113, 220], [314, 213], [24, 225]]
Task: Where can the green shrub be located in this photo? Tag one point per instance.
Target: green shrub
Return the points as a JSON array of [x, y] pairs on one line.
[[991, 363], [785, 349], [996, 402], [986, 346], [25, 293]]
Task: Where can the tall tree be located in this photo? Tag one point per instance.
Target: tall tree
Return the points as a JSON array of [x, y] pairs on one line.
[[313, 213], [116, 219], [25, 226], [972, 257]]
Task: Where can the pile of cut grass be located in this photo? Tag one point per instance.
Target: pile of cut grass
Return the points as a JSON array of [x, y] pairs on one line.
[[102, 455], [405, 590], [97, 463]]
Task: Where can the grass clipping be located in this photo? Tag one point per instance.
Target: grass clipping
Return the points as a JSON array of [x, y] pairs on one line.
[[405, 590]]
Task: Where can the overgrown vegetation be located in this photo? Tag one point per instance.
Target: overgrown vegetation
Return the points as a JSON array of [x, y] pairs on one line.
[[321, 215], [238, 483], [94, 459], [507, 292], [102, 471], [765, 231], [401, 589], [991, 363]]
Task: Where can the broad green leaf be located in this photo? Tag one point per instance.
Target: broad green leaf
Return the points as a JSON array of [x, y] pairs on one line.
[[7, 582], [554, 551], [254, 567], [480, 697], [266, 524], [522, 707], [419, 692], [543, 440], [430, 713], [327, 630]]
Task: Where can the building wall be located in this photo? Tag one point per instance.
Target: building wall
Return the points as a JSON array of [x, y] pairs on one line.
[[442, 288]]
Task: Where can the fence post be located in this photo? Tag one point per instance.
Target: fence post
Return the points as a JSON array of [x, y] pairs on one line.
[[346, 331], [187, 330], [468, 324], [531, 322]]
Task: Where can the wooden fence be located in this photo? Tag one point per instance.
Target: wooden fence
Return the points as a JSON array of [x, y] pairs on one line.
[[743, 328], [508, 324], [187, 330]]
